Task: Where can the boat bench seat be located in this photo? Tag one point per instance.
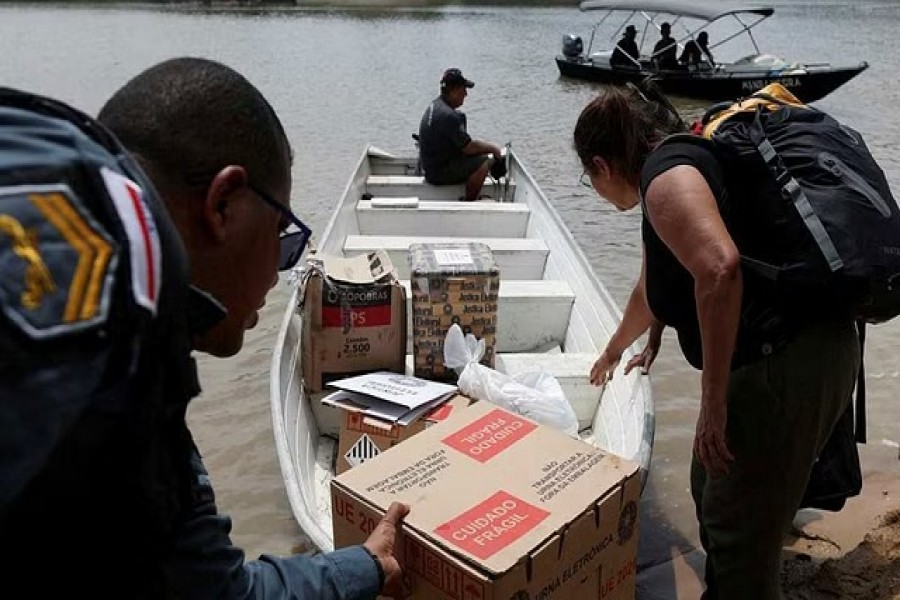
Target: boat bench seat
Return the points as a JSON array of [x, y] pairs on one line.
[[571, 369], [409, 216], [415, 185], [517, 258], [531, 315]]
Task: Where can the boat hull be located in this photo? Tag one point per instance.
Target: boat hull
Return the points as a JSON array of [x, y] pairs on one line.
[[556, 319], [808, 87]]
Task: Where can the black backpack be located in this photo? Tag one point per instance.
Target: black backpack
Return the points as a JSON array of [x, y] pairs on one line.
[[818, 222]]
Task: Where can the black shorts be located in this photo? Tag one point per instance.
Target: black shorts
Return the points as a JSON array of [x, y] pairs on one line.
[[455, 171]]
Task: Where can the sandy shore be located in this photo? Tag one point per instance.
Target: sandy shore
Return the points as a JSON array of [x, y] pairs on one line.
[[855, 553], [871, 570], [852, 554]]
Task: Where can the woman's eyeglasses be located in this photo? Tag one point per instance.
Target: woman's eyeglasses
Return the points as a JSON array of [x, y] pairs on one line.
[[294, 239]]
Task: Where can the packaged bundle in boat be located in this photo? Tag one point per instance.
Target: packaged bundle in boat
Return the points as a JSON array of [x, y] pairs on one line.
[[534, 394], [452, 283], [354, 318], [382, 409], [363, 437], [502, 508]]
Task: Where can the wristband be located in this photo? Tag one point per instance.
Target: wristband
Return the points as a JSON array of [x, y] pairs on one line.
[[378, 566]]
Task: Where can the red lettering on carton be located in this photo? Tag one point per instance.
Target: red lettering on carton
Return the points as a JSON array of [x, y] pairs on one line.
[[369, 316], [492, 525], [344, 509], [624, 574], [490, 435]]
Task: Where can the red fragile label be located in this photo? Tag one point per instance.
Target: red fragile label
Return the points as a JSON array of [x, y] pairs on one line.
[[490, 435], [440, 413], [492, 525], [361, 316]]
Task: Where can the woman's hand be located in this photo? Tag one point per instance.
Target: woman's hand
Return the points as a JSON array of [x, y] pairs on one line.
[[648, 354], [709, 440], [642, 360], [603, 368]]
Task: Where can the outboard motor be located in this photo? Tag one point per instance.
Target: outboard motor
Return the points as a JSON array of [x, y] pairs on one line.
[[572, 46]]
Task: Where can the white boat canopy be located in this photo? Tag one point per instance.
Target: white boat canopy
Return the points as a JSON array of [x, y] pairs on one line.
[[650, 9], [685, 9]]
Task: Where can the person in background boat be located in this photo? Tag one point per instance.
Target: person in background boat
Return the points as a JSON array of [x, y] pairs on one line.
[[695, 51], [111, 472], [765, 411], [665, 52], [447, 152], [626, 53]]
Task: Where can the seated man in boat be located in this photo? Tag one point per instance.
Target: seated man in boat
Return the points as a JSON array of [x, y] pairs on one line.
[[694, 52], [665, 52], [626, 53], [97, 453], [447, 152]]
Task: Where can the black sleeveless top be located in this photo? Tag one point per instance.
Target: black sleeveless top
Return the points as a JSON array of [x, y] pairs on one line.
[[670, 287]]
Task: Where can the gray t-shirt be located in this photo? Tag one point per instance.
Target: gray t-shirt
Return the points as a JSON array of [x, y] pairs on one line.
[[442, 135]]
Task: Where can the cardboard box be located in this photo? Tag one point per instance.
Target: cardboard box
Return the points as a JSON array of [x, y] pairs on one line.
[[502, 508], [354, 319], [363, 438], [451, 283]]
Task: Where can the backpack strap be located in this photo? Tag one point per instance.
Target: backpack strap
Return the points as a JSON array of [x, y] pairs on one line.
[[793, 192], [689, 138], [861, 386], [713, 111]]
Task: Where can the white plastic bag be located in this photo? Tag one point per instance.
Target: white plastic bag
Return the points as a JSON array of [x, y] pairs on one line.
[[533, 394]]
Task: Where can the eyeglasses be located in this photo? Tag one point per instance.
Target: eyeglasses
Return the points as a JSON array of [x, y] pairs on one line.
[[292, 243], [585, 180]]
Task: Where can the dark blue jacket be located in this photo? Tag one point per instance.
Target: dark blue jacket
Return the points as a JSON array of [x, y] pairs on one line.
[[205, 564], [102, 491]]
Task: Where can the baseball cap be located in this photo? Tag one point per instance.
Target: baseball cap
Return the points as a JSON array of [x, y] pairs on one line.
[[453, 78]]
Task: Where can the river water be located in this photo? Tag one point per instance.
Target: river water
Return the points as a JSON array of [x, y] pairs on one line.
[[341, 79]]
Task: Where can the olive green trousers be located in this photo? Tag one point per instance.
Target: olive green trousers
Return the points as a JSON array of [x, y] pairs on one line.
[[781, 411]]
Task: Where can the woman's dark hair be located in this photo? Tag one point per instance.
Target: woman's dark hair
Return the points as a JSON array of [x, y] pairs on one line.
[[623, 125]]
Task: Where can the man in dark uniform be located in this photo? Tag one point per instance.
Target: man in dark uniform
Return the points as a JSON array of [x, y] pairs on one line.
[[665, 52], [626, 52], [694, 51], [447, 152], [101, 486]]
